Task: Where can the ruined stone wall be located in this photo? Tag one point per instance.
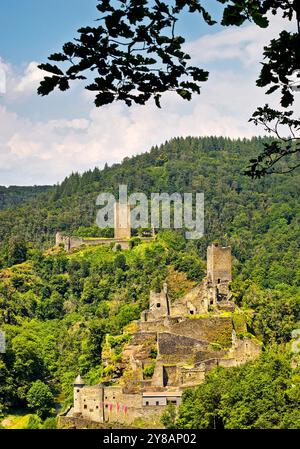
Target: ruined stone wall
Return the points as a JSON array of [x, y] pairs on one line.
[[77, 422], [173, 347], [209, 355], [149, 416], [143, 337], [75, 242], [158, 305], [210, 363], [59, 239], [227, 362], [211, 329], [192, 377], [193, 303], [170, 375], [152, 326], [158, 375], [244, 350], [222, 291], [68, 242]]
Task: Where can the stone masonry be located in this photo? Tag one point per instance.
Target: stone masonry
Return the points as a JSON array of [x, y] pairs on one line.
[[122, 233], [190, 336]]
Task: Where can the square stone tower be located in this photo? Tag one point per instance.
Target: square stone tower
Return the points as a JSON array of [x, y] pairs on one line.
[[219, 264], [122, 221]]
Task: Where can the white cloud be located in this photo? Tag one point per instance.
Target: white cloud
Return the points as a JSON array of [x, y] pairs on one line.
[[30, 80], [44, 150], [243, 44], [52, 149], [20, 84]]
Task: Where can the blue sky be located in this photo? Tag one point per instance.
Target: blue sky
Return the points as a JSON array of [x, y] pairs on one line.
[[31, 29], [42, 140]]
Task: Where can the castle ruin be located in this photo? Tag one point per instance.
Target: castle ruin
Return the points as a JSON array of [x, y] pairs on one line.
[[122, 232], [180, 341]]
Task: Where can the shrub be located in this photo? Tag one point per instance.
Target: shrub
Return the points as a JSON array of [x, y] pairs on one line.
[[149, 370], [40, 398]]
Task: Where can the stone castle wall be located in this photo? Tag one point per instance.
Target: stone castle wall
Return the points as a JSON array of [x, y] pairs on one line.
[[190, 341], [191, 377], [193, 303], [159, 307], [172, 347], [244, 350], [70, 243], [112, 405], [77, 422], [211, 329]]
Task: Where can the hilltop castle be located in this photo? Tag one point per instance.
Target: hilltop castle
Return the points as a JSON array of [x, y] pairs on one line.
[[122, 232], [177, 343]]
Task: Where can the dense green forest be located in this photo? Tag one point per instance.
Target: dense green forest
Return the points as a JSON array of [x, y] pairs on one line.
[[56, 308], [15, 195]]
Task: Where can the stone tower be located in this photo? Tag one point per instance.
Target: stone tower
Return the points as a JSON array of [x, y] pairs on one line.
[[219, 264], [78, 384], [159, 303], [122, 221]]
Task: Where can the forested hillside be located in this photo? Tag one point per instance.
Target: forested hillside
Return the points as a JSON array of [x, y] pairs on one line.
[[15, 195], [57, 307], [234, 202]]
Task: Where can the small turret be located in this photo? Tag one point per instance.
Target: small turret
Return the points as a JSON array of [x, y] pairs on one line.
[[79, 381], [78, 385]]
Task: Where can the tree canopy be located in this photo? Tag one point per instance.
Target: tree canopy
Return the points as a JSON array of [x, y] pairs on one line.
[[57, 307], [263, 394]]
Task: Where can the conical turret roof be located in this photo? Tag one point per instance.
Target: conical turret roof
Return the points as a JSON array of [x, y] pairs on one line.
[[78, 380]]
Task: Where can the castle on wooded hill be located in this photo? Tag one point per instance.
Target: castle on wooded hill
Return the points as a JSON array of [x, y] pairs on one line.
[[122, 232], [171, 347]]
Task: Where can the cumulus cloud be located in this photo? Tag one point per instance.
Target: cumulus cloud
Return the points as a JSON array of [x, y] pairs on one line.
[[41, 149], [243, 44], [49, 150], [30, 79]]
